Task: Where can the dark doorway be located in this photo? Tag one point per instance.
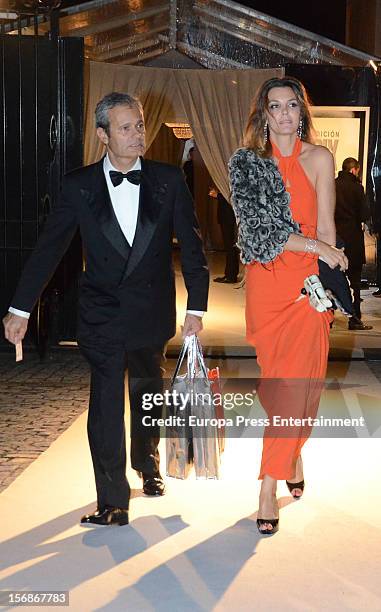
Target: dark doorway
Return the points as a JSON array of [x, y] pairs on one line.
[[41, 139]]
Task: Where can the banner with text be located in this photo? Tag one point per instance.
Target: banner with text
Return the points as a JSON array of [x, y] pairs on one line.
[[341, 135]]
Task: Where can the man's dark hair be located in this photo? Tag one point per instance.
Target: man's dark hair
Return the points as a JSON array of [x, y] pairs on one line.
[[349, 163], [110, 101]]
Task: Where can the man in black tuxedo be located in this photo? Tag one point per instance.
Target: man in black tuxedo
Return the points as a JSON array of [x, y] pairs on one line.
[[127, 209]]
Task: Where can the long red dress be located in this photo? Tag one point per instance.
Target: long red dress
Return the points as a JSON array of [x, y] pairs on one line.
[[291, 338]]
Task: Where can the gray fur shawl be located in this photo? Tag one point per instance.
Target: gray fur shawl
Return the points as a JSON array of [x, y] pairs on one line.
[[261, 205]]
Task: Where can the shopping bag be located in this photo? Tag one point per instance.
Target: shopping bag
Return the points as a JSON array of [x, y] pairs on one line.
[[179, 444], [193, 438], [206, 449]]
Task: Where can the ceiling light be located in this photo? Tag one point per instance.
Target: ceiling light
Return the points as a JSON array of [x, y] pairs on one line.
[[181, 130]]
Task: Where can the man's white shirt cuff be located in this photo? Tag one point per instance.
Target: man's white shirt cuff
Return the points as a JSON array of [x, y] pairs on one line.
[[20, 313], [197, 313]]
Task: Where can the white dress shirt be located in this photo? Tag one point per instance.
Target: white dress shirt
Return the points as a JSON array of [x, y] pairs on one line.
[[125, 202]]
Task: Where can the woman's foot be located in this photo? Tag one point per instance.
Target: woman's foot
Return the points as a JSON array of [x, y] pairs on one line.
[[268, 512], [296, 484]]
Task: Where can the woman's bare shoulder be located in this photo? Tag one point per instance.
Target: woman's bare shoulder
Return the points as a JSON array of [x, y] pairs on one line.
[[317, 151], [317, 154]]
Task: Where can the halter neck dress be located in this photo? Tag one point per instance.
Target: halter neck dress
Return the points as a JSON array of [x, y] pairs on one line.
[[291, 338]]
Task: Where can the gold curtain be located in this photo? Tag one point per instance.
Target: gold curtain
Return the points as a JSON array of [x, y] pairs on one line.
[[151, 85], [217, 104], [214, 102]]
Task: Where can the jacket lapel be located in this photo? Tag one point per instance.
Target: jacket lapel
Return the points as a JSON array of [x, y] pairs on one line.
[[98, 199], [150, 200]]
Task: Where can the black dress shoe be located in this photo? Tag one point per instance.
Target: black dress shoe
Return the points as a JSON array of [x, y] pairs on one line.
[[356, 324], [377, 293], [224, 279], [153, 484], [107, 516]]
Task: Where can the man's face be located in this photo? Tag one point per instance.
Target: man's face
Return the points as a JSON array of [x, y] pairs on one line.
[[283, 110], [356, 171], [126, 138]]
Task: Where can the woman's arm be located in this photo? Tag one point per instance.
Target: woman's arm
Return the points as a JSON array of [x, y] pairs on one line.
[[261, 207], [326, 195], [326, 231]]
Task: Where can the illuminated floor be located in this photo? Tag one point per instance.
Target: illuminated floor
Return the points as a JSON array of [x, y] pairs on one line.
[[197, 548]]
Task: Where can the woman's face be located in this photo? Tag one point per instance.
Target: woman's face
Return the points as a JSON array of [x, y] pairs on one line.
[[283, 111]]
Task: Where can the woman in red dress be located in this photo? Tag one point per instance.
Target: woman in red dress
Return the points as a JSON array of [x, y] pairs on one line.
[[283, 194]]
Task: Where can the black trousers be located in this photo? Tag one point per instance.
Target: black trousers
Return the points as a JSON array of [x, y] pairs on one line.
[[354, 275], [229, 236], [105, 426], [378, 268]]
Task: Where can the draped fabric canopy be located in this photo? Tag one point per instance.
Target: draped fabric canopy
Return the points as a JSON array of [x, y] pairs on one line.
[[215, 103]]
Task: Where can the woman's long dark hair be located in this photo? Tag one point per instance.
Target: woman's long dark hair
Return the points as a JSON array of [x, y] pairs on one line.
[[254, 136]]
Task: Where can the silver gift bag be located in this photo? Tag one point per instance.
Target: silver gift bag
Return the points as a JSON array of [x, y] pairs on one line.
[[193, 439], [179, 444]]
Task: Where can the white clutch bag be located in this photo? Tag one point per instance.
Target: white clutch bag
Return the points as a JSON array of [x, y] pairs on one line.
[[316, 293]]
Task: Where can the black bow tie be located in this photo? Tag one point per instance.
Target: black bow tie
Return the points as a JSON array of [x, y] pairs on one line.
[[133, 176]]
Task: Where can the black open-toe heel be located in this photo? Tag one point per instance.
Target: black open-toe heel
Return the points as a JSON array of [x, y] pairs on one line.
[[295, 485], [273, 522]]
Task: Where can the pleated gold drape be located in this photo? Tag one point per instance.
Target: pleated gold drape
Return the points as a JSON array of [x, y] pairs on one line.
[[215, 103], [148, 84]]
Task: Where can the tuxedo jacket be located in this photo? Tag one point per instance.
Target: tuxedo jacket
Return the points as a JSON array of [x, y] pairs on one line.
[[126, 292], [351, 210]]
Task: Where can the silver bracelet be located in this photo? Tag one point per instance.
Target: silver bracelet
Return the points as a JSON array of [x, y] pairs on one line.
[[311, 245]]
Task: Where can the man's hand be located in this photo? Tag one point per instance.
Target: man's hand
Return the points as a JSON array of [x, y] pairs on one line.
[[192, 325], [15, 327]]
